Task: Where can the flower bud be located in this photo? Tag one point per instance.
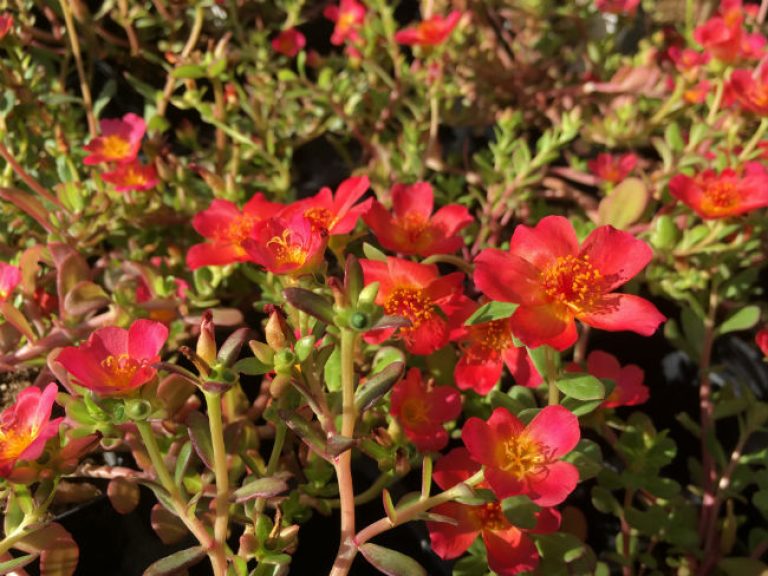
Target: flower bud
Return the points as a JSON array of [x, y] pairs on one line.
[[284, 361], [279, 385], [262, 352], [137, 410], [368, 294], [206, 342], [276, 331]]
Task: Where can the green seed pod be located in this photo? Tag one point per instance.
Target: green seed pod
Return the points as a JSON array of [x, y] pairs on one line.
[[137, 410], [359, 321], [665, 233]]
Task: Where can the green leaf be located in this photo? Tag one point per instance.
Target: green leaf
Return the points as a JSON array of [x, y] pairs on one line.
[[16, 563], [311, 303], [743, 319], [581, 387], [261, 488], [491, 311], [741, 566], [390, 562], [377, 385], [200, 434], [189, 71], [332, 371], [520, 511], [624, 205], [176, 562], [251, 367], [373, 253]]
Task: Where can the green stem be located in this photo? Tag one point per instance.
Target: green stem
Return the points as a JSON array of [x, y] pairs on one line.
[[343, 463], [180, 505], [755, 140], [274, 459], [551, 376], [216, 424]]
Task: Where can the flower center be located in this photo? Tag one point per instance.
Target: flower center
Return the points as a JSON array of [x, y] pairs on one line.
[[238, 231], [14, 441], [491, 516], [346, 21], [320, 218], [493, 336], [720, 196], [4, 294], [286, 253], [115, 147], [121, 369], [414, 413], [521, 456], [410, 303], [572, 281]]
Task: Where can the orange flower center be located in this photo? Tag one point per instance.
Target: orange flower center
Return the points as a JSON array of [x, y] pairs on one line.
[[285, 252], [413, 225], [521, 456], [14, 441], [319, 217], [238, 231], [115, 147], [572, 281], [411, 303], [491, 516], [346, 21], [720, 197], [120, 369], [3, 294], [492, 336], [134, 177], [414, 412]]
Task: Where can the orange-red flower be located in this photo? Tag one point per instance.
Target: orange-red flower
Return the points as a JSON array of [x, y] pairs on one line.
[[133, 176], [485, 348], [348, 16], [629, 389], [510, 549], [10, 276], [422, 408], [723, 36], [26, 425], [335, 214], [115, 361], [6, 23], [287, 246], [119, 142], [430, 32], [688, 61], [761, 339], [226, 228], [712, 195], [418, 293], [412, 228], [555, 281], [750, 89], [289, 42], [521, 459], [613, 169]]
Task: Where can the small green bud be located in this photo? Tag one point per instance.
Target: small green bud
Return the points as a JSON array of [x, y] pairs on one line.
[[284, 361], [138, 410], [665, 233], [368, 294], [359, 321]]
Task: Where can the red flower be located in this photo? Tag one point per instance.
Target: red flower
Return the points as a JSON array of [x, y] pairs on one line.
[[723, 35], [750, 89], [26, 425], [510, 549], [336, 215], [687, 60], [289, 42], [6, 23], [287, 246], [422, 408], [613, 169], [629, 389], [349, 16], [418, 293], [133, 176], [521, 459], [555, 281], [10, 276], [761, 339], [430, 32], [115, 361], [698, 93], [713, 195], [119, 142], [412, 229], [226, 228], [617, 6], [485, 348]]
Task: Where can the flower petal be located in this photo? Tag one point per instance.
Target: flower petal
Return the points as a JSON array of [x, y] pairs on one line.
[[451, 541], [554, 486], [552, 238], [508, 278], [557, 428], [146, 338], [616, 312], [510, 551], [548, 324], [618, 255]]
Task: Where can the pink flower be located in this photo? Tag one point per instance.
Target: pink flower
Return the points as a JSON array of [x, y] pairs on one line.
[[6, 23], [521, 459], [10, 276], [133, 176], [119, 142], [287, 246], [510, 549], [723, 35], [617, 6], [26, 425], [115, 361], [613, 169], [688, 60], [289, 42], [337, 214], [348, 16], [412, 228], [750, 89], [430, 32], [422, 408]]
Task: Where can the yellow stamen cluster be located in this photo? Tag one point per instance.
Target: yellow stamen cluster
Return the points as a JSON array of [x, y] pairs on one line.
[[115, 147], [491, 516], [14, 441], [285, 252], [573, 281], [321, 218], [239, 230], [120, 369], [490, 338], [414, 412], [720, 196], [521, 456], [411, 303]]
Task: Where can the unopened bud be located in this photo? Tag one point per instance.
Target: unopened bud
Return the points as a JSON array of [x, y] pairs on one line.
[[276, 331], [279, 385], [206, 342], [284, 361], [263, 353], [137, 410], [368, 294]]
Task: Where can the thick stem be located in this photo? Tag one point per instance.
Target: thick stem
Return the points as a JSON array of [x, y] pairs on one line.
[[215, 422], [343, 463], [180, 505]]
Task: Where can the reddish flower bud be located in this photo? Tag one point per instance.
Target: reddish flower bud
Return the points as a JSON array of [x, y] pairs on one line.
[[10, 276]]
